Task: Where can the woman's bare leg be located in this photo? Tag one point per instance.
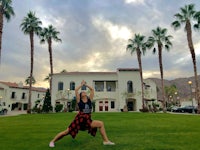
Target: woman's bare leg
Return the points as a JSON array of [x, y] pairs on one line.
[[100, 125], [60, 135]]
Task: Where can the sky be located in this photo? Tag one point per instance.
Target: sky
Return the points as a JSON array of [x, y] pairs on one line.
[[94, 36]]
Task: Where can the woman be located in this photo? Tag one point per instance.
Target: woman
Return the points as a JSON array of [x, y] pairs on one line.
[[83, 119]]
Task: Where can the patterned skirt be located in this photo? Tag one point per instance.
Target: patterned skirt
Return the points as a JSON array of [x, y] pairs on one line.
[[81, 122]]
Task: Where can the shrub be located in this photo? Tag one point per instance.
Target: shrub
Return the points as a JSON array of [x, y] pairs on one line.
[[58, 107]]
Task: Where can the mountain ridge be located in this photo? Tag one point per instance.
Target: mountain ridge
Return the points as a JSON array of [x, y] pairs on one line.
[[184, 91]]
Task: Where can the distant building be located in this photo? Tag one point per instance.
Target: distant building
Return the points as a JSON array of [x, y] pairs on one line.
[[114, 91], [14, 96]]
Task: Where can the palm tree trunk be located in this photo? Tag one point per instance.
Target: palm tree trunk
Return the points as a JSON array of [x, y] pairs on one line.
[[161, 74], [141, 76], [1, 32], [51, 62], [31, 71], [192, 51]]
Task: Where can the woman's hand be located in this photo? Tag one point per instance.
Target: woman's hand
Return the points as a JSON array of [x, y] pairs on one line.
[[83, 83]]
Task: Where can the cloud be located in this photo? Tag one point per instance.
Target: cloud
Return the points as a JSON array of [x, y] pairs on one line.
[[94, 37], [135, 1]]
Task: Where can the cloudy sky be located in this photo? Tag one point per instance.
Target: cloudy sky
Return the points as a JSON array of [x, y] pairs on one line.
[[94, 36]]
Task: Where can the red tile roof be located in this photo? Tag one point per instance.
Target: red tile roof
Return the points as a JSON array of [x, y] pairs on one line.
[[15, 85]]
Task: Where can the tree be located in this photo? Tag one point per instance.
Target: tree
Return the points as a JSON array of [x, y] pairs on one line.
[[170, 92], [6, 11], [47, 102], [47, 78], [138, 45], [47, 35], [31, 25], [27, 81], [160, 39], [187, 17]]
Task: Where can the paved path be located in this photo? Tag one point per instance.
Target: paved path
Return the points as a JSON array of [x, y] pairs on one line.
[[13, 113]]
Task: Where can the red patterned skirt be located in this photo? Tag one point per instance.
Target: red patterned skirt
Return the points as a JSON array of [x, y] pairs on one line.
[[81, 122]]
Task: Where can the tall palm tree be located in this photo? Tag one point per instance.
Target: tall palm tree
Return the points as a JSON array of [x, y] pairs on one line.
[[31, 25], [47, 78], [27, 81], [138, 45], [6, 11], [160, 39], [47, 35], [187, 16]]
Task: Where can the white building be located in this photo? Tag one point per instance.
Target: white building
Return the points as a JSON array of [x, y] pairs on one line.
[[113, 90], [14, 96]]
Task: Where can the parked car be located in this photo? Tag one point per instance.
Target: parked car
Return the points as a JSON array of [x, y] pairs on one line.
[[174, 108], [187, 109]]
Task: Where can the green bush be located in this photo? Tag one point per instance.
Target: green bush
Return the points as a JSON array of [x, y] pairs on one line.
[[59, 107]]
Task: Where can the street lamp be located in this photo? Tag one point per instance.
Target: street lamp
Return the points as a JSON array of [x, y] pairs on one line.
[[68, 92], [190, 84], [176, 98]]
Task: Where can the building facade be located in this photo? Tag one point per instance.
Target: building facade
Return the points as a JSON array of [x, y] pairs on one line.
[[14, 96], [114, 91]]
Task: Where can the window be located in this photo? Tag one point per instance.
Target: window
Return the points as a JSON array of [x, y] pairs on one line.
[[60, 86], [13, 95], [23, 95], [112, 104], [130, 87], [38, 96], [99, 86], [110, 86], [83, 87], [72, 85]]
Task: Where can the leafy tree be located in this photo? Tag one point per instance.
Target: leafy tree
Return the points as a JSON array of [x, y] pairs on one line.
[[161, 40], [6, 11], [63, 71], [47, 35], [31, 25], [188, 16], [170, 92], [47, 102], [138, 45]]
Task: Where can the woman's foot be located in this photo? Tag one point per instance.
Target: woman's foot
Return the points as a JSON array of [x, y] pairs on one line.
[[108, 143], [51, 144]]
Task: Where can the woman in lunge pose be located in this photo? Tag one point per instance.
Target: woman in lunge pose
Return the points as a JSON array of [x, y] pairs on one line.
[[83, 119]]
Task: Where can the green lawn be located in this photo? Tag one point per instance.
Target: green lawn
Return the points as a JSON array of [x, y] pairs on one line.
[[130, 131]]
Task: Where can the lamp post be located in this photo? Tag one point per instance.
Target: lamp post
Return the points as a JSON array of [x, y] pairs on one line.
[[68, 92], [176, 93], [190, 84]]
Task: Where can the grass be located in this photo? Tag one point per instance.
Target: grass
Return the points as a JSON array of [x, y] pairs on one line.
[[130, 131]]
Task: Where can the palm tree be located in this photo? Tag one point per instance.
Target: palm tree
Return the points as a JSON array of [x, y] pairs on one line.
[[47, 78], [138, 45], [187, 16], [31, 25], [47, 35], [27, 81], [160, 39], [6, 10]]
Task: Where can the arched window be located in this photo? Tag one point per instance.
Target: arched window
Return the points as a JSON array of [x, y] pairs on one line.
[[130, 87], [60, 86], [72, 85]]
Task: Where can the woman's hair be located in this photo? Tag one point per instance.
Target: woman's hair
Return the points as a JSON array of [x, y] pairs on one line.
[[81, 95]]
